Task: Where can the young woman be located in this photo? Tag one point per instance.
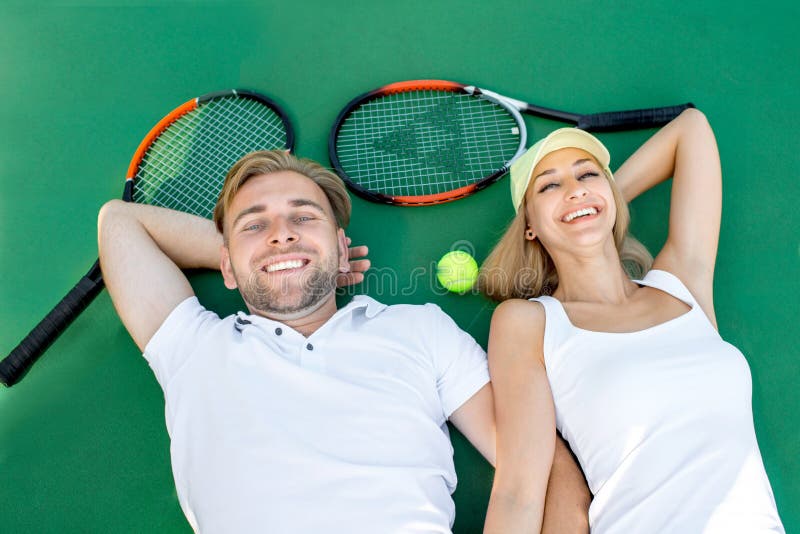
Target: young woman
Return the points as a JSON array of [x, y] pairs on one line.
[[655, 405]]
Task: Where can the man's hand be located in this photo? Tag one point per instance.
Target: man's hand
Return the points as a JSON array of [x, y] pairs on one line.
[[357, 266]]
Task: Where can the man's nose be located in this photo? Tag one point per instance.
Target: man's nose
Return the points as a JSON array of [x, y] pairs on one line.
[[282, 232]]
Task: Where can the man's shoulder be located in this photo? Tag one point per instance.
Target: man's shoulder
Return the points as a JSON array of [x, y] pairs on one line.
[[191, 315], [374, 308], [419, 317]]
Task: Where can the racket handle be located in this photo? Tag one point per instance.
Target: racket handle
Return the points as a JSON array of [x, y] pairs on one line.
[[17, 363], [630, 120]]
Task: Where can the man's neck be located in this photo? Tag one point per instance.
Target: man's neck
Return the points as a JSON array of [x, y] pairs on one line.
[[305, 321]]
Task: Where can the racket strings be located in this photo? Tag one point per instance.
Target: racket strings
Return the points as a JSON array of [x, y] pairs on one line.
[[425, 142], [185, 166]]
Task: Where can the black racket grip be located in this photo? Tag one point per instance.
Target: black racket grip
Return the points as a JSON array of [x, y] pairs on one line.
[[614, 121], [17, 363]]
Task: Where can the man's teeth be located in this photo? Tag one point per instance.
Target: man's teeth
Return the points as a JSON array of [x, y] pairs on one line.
[[580, 213], [282, 265]]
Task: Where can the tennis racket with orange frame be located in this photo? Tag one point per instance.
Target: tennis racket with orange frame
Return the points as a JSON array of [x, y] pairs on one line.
[[181, 165], [424, 142]]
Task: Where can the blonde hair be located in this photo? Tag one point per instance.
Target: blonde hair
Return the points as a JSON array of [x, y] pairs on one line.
[[519, 268], [271, 161]]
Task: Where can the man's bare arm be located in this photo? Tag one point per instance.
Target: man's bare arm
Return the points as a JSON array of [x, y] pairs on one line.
[[142, 251], [566, 505], [475, 419]]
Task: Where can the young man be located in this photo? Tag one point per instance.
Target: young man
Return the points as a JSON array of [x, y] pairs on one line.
[[296, 417]]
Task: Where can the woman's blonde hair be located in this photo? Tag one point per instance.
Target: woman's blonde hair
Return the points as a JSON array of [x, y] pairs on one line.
[[270, 161], [521, 268]]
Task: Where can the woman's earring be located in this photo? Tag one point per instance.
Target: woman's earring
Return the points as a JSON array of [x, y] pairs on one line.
[[529, 234]]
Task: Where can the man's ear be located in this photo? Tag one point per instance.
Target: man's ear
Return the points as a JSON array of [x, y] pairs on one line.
[[226, 268], [344, 252]]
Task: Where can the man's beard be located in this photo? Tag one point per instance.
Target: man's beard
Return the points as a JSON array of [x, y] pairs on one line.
[[315, 285]]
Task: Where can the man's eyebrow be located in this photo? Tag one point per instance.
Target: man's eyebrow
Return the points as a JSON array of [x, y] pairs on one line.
[[258, 208], [295, 203], [302, 202]]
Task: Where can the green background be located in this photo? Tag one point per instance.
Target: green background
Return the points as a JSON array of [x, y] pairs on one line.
[[83, 445]]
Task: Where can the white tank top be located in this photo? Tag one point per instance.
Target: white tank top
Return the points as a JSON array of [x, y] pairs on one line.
[[661, 422]]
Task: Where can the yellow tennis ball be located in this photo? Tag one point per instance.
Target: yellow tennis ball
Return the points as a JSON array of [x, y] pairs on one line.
[[457, 271]]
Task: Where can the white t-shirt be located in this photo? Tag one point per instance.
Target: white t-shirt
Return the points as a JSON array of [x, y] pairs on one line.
[[662, 423], [343, 431]]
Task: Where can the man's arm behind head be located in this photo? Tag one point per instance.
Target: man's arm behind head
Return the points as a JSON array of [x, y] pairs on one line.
[[142, 251]]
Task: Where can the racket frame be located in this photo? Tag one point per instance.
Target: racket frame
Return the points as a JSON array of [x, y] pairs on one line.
[[423, 85], [19, 361], [598, 122]]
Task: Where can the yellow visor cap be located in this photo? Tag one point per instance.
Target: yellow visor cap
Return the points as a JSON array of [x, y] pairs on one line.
[[522, 168]]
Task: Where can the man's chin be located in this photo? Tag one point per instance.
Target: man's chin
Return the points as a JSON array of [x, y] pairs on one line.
[[289, 311]]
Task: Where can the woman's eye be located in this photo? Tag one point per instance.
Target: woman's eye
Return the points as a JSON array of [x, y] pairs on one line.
[[588, 174], [547, 187]]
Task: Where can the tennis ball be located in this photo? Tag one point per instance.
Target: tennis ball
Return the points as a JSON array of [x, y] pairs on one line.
[[457, 271]]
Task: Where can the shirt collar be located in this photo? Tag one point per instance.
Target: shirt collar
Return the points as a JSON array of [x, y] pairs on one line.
[[370, 306], [373, 307]]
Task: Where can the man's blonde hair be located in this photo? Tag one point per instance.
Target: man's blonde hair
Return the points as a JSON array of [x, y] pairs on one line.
[[271, 161]]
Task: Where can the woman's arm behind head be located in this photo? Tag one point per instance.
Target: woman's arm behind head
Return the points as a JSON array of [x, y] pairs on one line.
[[685, 150]]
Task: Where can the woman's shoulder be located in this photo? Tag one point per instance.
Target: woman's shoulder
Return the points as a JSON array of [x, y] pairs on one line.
[[518, 328], [519, 313]]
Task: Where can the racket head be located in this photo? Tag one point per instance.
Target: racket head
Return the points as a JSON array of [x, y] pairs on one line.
[[182, 162], [423, 142]]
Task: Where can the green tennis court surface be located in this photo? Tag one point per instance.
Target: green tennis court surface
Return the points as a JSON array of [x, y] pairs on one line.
[[83, 445]]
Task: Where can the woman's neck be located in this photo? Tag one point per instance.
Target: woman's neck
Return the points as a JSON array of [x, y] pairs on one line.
[[596, 277]]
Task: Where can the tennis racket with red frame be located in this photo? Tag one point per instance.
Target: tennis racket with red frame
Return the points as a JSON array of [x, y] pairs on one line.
[[423, 142], [181, 165]]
